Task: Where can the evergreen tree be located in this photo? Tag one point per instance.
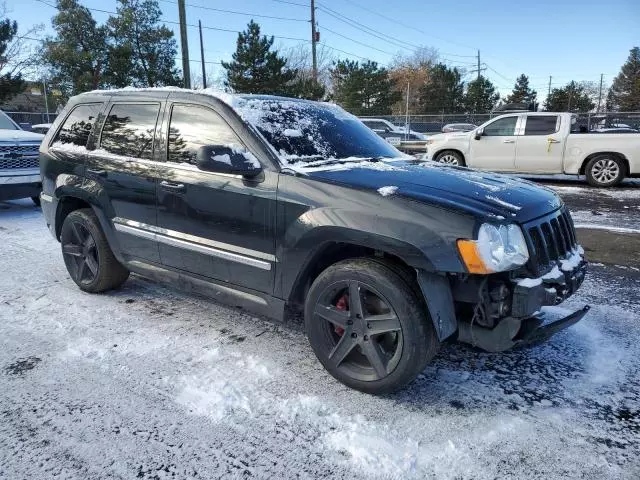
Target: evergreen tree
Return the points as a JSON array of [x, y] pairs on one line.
[[570, 98], [144, 51], [522, 93], [443, 92], [624, 94], [307, 88], [10, 83], [363, 89], [78, 55], [481, 96], [257, 69]]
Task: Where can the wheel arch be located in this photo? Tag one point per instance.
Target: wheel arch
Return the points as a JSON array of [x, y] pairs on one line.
[[456, 150], [591, 156]]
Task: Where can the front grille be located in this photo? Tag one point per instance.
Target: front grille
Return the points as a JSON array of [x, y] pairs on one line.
[[19, 156], [23, 162], [549, 239], [22, 149]]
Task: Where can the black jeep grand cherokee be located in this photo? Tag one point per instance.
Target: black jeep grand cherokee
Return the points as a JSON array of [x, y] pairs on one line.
[[266, 203]]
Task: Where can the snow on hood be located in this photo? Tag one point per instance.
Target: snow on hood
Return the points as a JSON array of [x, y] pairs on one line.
[[19, 136]]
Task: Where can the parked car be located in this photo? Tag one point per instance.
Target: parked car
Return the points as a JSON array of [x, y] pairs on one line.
[[41, 128], [280, 205], [19, 171], [541, 143], [458, 127], [410, 142], [616, 130]]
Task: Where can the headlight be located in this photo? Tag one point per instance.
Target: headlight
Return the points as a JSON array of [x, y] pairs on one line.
[[430, 142], [497, 249]]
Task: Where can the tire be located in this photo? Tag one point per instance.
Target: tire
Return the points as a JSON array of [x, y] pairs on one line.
[[450, 157], [605, 170], [390, 325], [87, 255], [36, 201]]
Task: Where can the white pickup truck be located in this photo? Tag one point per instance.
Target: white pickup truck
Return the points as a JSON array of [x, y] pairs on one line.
[[541, 143], [19, 167]]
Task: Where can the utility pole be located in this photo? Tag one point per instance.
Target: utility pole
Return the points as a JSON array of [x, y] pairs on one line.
[[46, 100], [314, 39], [204, 74], [184, 44], [478, 64], [600, 94], [549, 92]]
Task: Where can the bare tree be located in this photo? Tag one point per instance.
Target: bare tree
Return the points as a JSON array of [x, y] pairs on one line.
[[411, 70], [299, 58]]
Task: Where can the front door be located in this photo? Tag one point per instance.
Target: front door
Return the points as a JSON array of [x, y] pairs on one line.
[[540, 149], [124, 176], [496, 149], [215, 225]]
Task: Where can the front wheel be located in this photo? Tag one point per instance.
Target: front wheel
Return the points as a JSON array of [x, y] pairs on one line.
[[368, 327], [450, 157], [87, 255], [605, 171]]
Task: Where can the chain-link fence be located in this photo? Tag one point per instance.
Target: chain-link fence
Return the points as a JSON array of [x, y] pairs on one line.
[[431, 124], [26, 119]]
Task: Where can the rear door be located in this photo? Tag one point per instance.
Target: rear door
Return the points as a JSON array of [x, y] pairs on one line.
[[216, 225], [496, 148], [540, 148], [123, 173]]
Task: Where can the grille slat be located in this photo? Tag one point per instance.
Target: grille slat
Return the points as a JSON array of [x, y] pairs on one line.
[[550, 239], [23, 162], [30, 149]]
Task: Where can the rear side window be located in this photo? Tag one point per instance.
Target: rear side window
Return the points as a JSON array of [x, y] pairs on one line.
[[129, 130], [504, 126], [78, 125], [192, 127], [541, 125]]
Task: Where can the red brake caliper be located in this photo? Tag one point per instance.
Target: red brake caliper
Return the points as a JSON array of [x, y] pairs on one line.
[[342, 305]]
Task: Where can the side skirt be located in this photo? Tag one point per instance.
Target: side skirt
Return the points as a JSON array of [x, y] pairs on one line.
[[222, 292]]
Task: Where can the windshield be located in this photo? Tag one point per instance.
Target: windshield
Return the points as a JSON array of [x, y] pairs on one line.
[[6, 123], [305, 131]]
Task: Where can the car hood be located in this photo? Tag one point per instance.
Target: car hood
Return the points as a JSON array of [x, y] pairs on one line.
[[19, 136], [448, 135], [488, 195]]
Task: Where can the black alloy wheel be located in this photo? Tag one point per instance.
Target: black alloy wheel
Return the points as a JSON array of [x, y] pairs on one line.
[[362, 332], [80, 253], [368, 324]]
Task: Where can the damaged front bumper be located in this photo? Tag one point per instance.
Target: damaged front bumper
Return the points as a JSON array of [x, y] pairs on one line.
[[527, 323]]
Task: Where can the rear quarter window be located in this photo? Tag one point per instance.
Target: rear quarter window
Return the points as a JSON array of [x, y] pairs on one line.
[[78, 125]]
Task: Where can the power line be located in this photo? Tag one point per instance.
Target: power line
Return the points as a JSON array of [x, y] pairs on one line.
[[356, 41], [292, 3], [234, 12]]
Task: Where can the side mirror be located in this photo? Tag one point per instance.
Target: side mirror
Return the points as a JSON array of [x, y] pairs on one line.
[[228, 159], [479, 133]]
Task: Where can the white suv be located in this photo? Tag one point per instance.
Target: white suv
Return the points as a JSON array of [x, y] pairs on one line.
[[19, 167]]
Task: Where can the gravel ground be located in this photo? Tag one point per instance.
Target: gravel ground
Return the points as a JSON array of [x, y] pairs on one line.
[[152, 383]]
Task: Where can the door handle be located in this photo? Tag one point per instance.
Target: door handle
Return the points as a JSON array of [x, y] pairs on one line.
[[508, 140], [97, 173], [172, 187]]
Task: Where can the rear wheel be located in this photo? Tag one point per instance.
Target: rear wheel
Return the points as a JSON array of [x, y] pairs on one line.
[[605, 171], [450, 157], [368, 327], [87, 255]]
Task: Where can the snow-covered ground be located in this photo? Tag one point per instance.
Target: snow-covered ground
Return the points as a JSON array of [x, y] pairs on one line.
[[149, 382]]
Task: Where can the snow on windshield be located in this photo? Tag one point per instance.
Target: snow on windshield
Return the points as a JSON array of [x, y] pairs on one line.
[[308, 135]]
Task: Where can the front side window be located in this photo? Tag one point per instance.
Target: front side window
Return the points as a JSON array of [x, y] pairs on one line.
[[502, 127], [192, 127], [78, 125], [129, 130], [541, 125]]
